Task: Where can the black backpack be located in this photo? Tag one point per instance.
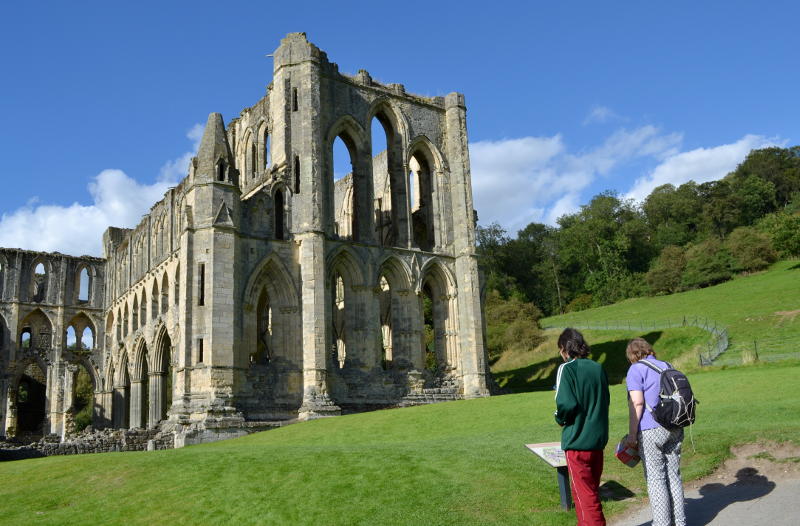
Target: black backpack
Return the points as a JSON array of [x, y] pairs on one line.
[[676, 406]]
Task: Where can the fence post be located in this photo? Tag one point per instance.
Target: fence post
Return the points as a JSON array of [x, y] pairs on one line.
[[755, 348]]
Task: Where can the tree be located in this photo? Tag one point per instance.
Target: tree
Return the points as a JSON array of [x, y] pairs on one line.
[[673, 214], [784, 230], [780, 166], [664, 276], [750, 249], [753, 197], [707, 263]]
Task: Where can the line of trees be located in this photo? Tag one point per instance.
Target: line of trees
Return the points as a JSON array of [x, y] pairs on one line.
[[678, 238]]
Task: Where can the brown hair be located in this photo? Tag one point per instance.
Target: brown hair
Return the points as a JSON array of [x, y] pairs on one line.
[[572, 342], [638, 349]]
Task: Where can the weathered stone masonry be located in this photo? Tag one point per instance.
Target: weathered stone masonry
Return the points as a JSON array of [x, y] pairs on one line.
[[260, 289]]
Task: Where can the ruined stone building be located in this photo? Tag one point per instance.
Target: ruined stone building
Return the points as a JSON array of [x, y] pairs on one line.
[[262, 287]]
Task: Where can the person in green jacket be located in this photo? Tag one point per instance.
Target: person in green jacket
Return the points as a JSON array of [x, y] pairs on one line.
[[582, 401]]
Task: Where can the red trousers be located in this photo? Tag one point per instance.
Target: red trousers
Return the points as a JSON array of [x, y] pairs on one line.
[[585, 468]]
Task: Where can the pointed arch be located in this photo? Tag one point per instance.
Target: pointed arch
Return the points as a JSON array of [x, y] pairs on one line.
[[154, 297], [164, 293], [349, 200], [83, 283], [397, 273], [39, 328], [40, 271], [271, 323], [437, 295], [135, 313], [345, 261]]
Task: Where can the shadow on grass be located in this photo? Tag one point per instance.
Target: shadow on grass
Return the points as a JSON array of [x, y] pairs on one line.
[[613, 490], [541, 376], [794, 267]]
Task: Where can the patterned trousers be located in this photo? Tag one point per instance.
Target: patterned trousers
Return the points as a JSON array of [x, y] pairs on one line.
[[660, 449]]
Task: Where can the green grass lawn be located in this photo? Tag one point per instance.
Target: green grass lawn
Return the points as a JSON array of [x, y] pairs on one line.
[[452, 463], [763, 308]]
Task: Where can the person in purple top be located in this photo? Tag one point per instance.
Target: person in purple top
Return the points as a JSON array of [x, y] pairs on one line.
[[659, 447]]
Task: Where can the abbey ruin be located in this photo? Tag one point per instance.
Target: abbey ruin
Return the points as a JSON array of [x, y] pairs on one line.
[[263, 287]]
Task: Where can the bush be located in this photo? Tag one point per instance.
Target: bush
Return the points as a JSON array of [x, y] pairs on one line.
[[707, 263], [511, 324], [664, 276], [580, 302], [750, 249], [784, 230]]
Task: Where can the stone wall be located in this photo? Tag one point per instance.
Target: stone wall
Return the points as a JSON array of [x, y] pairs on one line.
[[102, 441]]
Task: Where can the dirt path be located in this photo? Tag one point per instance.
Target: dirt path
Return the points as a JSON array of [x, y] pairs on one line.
[[759, 485]]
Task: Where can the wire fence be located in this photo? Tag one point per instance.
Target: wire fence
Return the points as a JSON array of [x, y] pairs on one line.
[[751, 350], [717, 343]]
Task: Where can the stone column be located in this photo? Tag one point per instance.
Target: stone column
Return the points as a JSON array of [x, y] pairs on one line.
[[473, 361], [136, 404], [157, 386], [316, 314]]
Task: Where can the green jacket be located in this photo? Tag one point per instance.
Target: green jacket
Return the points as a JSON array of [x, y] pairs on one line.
[[582, 405]]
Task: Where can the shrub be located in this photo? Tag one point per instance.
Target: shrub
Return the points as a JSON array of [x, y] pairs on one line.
[[511, 324], [784, 230], [707, 263], [750, 249], [664, 276], [579, 303]]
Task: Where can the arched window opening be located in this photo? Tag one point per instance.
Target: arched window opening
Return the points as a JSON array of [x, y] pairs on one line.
[[87, 339], [125, 326], [263, 354], [295, 104], [279, 215], [253, 159], [296, 174], [39, 285], [267, 152], [83, 285], [31, 399], [420, 186], [144, 396], [431, 349], [176, 292], [221, 170], [82, 398], [143, 309], [72, 340], [381, 180], [25, 338], [164, 294], [344, 190], [386, 322], [339, 322], [135, 314], [154, 301]]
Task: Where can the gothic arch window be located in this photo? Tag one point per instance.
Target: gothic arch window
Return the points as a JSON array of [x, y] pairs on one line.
[[220, 170], [421, 200], [135, 314], [39, 283], [344, 187], [164, 294], [84, 285], [387, 201], [71, 339], [87, 338], [339, 321], [125, 325], [280, 214], [267, 152], [154, 301], [25, 338]]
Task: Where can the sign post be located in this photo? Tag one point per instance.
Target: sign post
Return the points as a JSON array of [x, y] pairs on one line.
[[552, 453]]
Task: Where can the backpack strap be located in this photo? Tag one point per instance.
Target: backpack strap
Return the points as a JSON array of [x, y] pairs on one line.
[[657, 369], [652, 366]]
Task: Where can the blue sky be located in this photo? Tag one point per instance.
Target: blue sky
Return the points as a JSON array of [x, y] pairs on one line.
[[102, 102]]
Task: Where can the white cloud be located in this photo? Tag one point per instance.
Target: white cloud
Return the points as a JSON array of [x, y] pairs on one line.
[[77, 229], [517, 181], [699, 165], [601, 114]]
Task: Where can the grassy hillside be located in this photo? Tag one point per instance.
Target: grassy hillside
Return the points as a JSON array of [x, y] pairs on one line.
[[760, 310], [520, 372], [454, 463]]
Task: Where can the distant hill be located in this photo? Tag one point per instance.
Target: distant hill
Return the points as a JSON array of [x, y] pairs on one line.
[[760, 310]]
